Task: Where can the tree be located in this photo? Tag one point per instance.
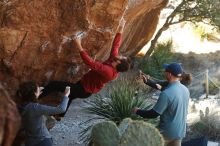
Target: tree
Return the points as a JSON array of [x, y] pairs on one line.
[[206, 11]]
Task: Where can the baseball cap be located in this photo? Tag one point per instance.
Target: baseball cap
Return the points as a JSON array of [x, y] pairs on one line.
[[174, 68]]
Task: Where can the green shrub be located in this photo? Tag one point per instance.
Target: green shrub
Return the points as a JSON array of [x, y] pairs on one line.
[[205, 32], [201, 31], [208, 125], [213, 86], [153, 64]]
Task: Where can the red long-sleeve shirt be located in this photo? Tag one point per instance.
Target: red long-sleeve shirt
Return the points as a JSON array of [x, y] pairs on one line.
[[101, 72]]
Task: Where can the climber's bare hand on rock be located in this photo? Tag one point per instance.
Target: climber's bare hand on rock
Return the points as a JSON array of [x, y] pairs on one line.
[[77, 41]]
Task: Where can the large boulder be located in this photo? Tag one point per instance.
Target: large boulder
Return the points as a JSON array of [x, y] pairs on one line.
[[34, 35], [34, 41], [9, 118]]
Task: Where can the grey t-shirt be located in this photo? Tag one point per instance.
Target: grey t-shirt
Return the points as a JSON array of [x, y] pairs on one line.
[[34, 120], [172, 105]]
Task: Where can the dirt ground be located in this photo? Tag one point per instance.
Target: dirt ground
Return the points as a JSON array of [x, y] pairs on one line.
[[66, 131]]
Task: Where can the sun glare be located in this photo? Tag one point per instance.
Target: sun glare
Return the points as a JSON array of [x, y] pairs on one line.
[[186, 39]]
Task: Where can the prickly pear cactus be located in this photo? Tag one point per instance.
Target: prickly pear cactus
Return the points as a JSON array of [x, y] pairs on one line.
[[141, 134], [124, 125], [105, 134], [129, 133]]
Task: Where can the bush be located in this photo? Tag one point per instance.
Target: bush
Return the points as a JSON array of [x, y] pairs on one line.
[[214, 87], [208, 125], [206, 32], [153, 64]]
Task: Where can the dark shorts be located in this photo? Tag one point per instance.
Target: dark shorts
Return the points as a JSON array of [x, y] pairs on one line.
[[45, 142], [76, 89]]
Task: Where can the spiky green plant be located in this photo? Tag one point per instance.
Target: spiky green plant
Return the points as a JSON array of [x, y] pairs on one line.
[[116, 104]]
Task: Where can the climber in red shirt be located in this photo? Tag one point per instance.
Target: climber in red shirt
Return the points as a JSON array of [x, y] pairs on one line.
[[98, 76]]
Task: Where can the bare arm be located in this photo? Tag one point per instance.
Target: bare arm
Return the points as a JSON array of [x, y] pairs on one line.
[[117, 40], [95, 65], [121, 26], [51, 110], [78, 44]]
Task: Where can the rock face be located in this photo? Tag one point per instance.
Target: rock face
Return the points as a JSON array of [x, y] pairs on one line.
[[34, 35], [9, 119]]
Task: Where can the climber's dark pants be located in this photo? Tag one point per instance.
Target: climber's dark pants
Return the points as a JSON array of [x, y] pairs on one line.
[[76, 90], [45, 142]]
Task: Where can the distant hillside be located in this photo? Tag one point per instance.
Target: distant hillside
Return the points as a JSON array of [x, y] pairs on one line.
[[195, 63]]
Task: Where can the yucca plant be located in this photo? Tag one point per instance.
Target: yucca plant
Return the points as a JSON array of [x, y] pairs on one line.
[[119, 101], [117, 104]]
